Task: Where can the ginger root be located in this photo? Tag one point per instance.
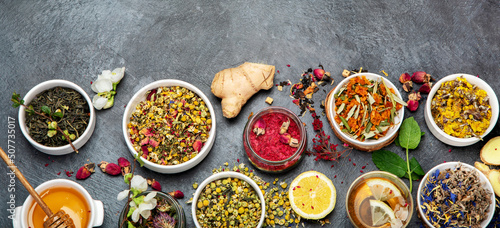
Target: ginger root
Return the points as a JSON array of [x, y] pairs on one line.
[[236, 85], [490, 153], [493, 176]]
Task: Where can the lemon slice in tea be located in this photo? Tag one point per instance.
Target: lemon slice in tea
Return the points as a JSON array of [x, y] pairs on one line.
[[312, 195], [381, 213], [383, 189]]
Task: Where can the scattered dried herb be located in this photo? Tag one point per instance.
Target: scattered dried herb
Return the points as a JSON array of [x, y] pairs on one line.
[[322, 148], [409, 138], [303, 91], [461, 109], [455, 198]]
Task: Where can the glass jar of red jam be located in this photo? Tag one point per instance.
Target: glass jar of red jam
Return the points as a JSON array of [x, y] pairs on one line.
[[272, 147]]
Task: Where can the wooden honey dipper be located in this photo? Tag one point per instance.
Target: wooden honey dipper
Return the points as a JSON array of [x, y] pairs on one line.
[[57, 220]]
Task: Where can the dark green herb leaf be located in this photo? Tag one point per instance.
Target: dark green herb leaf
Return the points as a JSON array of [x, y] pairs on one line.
[[409, 134], [46, 110], [58, 114], [396, 141], [422, 133], [388, 161], [415, 167], [16, 105]]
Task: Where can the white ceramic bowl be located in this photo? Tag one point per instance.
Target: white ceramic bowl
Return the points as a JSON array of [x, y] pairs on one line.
[[141, 96], [368, 144], [223, 175], [451, 165], [96, 207], [60, 150], [451, 140]]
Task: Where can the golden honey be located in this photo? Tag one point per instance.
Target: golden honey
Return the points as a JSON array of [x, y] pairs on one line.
[[67, 199]]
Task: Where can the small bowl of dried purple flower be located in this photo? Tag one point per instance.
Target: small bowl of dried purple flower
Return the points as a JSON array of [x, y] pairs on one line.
[[167, 212], [455, 194]]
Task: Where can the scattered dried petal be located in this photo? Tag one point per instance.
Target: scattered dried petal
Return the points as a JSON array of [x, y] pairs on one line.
[[405, 77]]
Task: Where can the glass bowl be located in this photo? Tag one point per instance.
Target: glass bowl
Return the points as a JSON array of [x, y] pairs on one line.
[[359, 191], [181, 217], [269, 165]]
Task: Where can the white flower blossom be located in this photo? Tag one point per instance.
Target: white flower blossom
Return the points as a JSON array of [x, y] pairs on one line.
[[139, 183], [122, 195], [99, 102], [102, 85]]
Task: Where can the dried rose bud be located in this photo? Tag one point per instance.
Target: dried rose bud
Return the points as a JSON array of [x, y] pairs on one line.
[[425, 88], [407, 86], [319, 73], [294, 142], [421, 77], [155, 185], [110, 168], [259, 128], [405, 77], [284, 127], [412, 105], [414, 96], [177, 194], [85, 171], [124, 165], [285, 138], [197, 144]]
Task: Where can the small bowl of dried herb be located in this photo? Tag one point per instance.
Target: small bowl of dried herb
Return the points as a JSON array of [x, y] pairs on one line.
[[170, 124], [228, 199], [167, 213], [461, 109], [365, 110], [52, 108], [455, 194]]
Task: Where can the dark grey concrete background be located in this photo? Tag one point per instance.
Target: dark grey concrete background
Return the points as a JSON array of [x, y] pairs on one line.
[[192, 40]]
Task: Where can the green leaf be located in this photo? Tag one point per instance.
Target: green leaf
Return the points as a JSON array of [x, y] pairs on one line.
[[409, 134], [58, 114], [16, 105], [388, 161], [416, 168], [422, 133], [46, 110], [396, 141]]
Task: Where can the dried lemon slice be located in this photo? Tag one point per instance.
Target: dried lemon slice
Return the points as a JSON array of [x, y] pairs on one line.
[[312, 195], [381, 213], [383, 189]]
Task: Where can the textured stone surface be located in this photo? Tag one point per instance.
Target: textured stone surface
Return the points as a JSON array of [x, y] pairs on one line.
[[192, 40]]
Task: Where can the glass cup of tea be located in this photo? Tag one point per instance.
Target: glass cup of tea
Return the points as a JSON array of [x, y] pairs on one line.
[[379, 199]]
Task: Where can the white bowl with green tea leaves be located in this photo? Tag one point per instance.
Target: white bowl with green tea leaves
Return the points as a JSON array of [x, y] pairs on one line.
[[350, 110], [54, 113]]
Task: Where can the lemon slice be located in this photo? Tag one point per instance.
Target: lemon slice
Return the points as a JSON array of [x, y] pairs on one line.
[[312, 195], [381, 213], [383, 189]]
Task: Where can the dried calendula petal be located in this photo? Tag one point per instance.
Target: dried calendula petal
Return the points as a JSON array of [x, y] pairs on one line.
[[461, 109], [171, 126]]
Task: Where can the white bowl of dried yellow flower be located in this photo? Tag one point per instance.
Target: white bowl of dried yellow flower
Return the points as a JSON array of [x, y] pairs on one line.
[[230, 198], [170, 124], [461, 109]]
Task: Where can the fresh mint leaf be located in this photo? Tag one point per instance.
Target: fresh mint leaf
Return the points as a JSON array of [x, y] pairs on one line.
[[409, 134], [416, 168], [388, 161], [46, 110]]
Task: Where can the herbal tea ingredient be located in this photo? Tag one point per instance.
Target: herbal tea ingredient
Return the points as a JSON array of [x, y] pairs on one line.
[[455, 198], [272, 144], [278, 210], [170, 126], [69, 110], [461, 109], [228, 202], [366, 108], [105, 87]]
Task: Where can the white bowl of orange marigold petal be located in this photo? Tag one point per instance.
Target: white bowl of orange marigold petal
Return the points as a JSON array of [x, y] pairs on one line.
[[170, 124]]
